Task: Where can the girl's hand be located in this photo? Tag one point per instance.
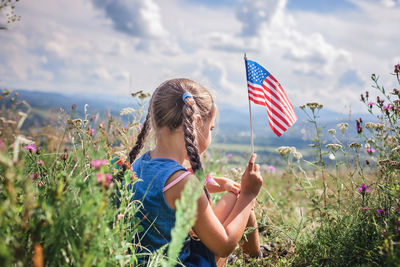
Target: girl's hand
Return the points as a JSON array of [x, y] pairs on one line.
[[251, 179], [221, 184]]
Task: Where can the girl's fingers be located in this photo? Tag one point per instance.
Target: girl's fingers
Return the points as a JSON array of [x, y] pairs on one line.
[[252, 160], [257, 167]]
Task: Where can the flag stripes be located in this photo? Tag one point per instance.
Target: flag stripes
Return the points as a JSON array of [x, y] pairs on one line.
[[265, 90]]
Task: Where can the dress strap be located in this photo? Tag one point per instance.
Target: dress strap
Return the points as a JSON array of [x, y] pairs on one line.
[[177, 180]]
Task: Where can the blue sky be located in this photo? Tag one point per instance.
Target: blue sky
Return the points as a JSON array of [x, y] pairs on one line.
[[319, 50]]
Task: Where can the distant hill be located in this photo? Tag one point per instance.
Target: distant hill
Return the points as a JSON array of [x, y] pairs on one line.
[[232, 122]]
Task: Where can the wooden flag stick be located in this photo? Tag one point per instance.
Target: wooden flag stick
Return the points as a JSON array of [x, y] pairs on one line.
[[251, 119]]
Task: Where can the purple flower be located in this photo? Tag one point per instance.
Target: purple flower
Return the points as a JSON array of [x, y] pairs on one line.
[[97, 163], [371, 150], [104, 178], [33, 176], [92, 131], [386, 107], [370, 104], [380, 211], [40, 162], [363, 189], [229, 156], [31, 148], [271, 168]]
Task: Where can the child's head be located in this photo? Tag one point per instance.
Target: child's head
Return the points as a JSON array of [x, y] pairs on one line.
[[168, 109]]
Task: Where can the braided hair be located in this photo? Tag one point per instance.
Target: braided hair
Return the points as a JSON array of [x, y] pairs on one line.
[[168, 108]]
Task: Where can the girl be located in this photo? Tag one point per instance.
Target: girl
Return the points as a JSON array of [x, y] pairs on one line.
[[182, 113]]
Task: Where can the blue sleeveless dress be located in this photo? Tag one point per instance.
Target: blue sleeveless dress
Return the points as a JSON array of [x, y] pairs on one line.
[[156, 216]]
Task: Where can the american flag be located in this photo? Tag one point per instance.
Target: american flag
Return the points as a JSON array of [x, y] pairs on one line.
[[265, 90]]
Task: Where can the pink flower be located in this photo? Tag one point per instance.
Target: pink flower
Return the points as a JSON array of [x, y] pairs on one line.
[[33, 176], [92, 131], [386, 107], [363, 189], [380, 211], [31, 148], [40, 162], [104, 178], [271, 168], [371, 150], [364, 209], [370, 104], [97, 163], [229, 156]]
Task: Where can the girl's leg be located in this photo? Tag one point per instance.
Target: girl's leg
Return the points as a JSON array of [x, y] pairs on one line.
[[222, 209], [252, 246]]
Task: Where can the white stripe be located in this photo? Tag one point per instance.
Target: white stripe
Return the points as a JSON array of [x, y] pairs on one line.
[[281, 93], [286, 116], [273, 124], [287, 108]]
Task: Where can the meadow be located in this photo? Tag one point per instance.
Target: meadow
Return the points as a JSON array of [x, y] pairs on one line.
[[64, 198]]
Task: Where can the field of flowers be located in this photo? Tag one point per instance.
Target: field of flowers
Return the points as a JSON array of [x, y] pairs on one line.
[[64, 198]]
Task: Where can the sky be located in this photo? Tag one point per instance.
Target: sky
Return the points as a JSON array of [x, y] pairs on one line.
[[319, 50]]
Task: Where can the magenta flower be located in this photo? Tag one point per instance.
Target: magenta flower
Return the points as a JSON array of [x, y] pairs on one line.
[[97, 163], [92, 131], [33, 176], [371, 150], [363, 189], [104, 179], [229, 156], [40, 162], [380, 211], [31, 148], [370, 104], [386, 107], [271, 168]]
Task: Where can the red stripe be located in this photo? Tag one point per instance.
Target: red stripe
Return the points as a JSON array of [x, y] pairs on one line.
[[272, 125], [257, 101], [283, 101], [281, 91], [273, 102]]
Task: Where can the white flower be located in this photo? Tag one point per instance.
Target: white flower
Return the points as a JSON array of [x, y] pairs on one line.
[[343, 126], [297, 155], [126, 111], [331, 156], [334, 147], [332, 131]]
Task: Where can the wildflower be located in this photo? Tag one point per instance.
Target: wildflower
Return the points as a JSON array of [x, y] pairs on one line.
[[331, 156], [386, 107], [379, 126], [314, 106], [363, 189], [397, 68], [284, 150], [92, 131], [364, 209], [64, 156], [40, 162], [358, 126], [229, 156], [41, 183], [362, 98], [366, 94], [97, 163], [2, 145], [395, 91], [380, 211], [302, 107], [370, 125], [343, 126], [371, 150], [120, 216], [126, 111], [332, 131], [105, 179], [31, 148], [370, 104], [334, 147], [271, 168], [297, 155], [33, 176], [355, 145]]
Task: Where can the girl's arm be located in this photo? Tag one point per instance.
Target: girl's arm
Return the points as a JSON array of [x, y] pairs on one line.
[[222, 184], [222, 237]]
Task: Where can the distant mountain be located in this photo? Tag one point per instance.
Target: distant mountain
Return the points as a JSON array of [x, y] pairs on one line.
[[233, 124]]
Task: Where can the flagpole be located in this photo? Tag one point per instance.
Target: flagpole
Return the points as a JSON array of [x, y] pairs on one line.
[[251, 119]]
